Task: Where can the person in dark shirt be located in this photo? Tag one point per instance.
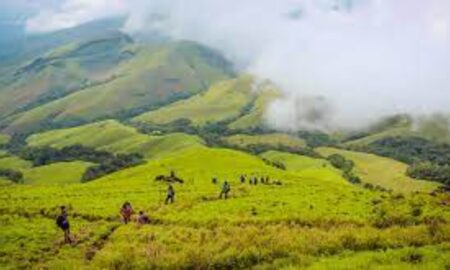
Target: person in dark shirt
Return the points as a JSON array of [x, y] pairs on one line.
[[62, 222], [143, 218], [170, 195]]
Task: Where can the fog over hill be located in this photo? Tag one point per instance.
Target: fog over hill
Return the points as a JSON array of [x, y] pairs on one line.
[[340, 63]]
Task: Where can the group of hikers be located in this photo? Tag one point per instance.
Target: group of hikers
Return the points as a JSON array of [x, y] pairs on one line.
[[126, 211], [253, 180]]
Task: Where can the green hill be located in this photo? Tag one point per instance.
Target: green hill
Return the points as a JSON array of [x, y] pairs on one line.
[[381, 171], [307, 167], [61, 173], [236, 100], [148, 77], [114, 137], [304, 217], [273, 139], [14, 163], [224, 100], [4, 139], [434, 128]]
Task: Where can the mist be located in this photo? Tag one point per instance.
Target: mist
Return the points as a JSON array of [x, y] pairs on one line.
[[341, 64]]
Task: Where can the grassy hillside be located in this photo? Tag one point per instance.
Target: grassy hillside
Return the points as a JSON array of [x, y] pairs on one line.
[[302, 222], [434, 128], [14, 163], [224, 100], [4, 139], [256, 116], [151, 77], [307, 167], [274, 139], [114, 137], [62, 71], [61, 173], [385, 172]]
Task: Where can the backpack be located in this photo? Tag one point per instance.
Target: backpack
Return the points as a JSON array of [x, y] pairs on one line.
[[61, 221]]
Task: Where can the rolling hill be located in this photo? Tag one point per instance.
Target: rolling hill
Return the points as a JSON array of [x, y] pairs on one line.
[[300, 219], [237, 100], [381, 171], [108, 76], [115, 137], [183, 108], [272, 139]]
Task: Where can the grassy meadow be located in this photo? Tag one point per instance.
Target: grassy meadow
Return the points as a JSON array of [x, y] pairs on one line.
[[382, 171], [314, 219]]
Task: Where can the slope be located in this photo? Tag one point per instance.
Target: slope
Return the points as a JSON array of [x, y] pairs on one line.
[[385, 172], [61, 173], [302, 221], [272, 139], [151, 77], [241, 101], [434, 128], [115, 137]]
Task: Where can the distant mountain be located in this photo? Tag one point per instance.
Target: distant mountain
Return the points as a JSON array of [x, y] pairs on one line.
[[95, 71]]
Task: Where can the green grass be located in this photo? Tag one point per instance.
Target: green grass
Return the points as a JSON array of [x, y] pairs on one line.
[[307, 219], [14, 163], [382, 171], [115, 137], [153, 76], [4, 139], [274, 139], [61, 173], [307, 167], [256, 116], [222, 101]]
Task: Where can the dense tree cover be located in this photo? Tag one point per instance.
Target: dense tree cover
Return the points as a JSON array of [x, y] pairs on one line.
[[316, 138], [106, 162], [430, 171], [411, 150], [340, 162], [15, 176], [107, 166], [46, 155], [428, 160]]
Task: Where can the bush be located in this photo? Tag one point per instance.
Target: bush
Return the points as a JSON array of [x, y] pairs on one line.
[[430, 171], [15, 176], [341, 163]]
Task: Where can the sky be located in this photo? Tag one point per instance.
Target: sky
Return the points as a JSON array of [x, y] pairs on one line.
[[339, 63]]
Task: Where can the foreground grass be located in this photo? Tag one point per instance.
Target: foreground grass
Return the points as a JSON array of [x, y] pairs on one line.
[[313, 215]]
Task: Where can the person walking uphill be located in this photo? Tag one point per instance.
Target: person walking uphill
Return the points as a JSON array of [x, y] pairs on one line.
[[63, 222], [170, 195], [225, 190], [126, 211]]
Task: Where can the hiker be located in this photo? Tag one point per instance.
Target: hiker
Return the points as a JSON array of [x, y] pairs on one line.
[[225, 190], [143, 218], [242, 179], [63, 222], [126, 211], [170, 195]]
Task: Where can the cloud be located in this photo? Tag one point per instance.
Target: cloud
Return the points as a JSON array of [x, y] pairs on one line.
[[70, 13], [340, 63]]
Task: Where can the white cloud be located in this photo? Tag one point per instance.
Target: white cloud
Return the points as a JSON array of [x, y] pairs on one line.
[[73, 12], [366, 57]]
